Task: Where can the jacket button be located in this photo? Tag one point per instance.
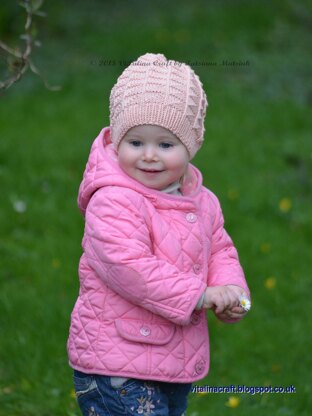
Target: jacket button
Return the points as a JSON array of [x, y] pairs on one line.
[[145, 331], [199, 367], [197, 268], [190, 217], [195, 318]]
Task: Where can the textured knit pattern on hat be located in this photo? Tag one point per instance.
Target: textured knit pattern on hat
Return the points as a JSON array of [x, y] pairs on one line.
[[154, 90]]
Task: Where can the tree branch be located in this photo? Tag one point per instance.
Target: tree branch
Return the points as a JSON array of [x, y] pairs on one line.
[[21, 60]]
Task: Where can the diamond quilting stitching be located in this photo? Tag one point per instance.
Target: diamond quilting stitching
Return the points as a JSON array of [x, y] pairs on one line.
[[189, 242]]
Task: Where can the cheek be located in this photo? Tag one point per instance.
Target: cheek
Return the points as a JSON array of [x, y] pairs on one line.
[[178, 161], [122, 161], [124, 157]]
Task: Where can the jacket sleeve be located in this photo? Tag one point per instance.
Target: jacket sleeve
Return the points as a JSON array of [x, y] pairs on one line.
[[118, 247], [224, 267]]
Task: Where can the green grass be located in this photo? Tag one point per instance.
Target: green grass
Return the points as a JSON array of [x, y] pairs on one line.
[[257, 152]]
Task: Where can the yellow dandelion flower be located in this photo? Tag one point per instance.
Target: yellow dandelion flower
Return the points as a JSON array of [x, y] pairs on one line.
[[275, 368], [270, 283], [265, 248], [233, 194], [181, 36], [285, 204], [232, 402], [56, 264], [72, 394], [162, 35]]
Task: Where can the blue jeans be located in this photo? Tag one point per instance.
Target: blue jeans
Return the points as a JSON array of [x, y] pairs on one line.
[[97, 397]]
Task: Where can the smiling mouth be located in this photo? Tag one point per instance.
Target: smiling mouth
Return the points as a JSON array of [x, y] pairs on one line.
[[151, 170]]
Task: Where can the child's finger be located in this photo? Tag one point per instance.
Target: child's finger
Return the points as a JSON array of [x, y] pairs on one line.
[[220, 305], [237, 309]]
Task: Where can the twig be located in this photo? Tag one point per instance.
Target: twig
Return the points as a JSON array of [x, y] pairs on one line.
[[22, 60]]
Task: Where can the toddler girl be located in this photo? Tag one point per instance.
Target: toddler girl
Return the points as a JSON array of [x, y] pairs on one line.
[[155, 253]]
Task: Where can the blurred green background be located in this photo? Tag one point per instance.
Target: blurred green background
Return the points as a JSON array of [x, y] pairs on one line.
[[257, 158]]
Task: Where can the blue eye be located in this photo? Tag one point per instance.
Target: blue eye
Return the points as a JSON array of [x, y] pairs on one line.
[[165, 145], [135, 143]]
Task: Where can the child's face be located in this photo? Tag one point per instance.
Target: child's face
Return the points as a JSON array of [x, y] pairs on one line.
[[153, 156]]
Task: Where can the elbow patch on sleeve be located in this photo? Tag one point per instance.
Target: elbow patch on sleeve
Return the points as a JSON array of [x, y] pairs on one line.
[[127, 282]]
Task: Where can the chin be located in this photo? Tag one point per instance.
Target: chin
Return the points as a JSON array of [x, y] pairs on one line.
[[155, 187]]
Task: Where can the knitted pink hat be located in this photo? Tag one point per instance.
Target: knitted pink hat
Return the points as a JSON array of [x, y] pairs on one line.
[[154, 90]]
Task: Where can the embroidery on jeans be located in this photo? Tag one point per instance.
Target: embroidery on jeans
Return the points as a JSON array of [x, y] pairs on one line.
[[146, 406]]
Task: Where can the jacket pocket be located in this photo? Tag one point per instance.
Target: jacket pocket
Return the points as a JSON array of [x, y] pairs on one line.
[[148, 333]]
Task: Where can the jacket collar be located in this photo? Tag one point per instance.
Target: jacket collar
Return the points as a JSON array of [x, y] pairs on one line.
[[103, 170]]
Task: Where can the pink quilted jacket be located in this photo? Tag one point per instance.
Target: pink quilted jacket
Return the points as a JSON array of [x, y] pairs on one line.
[[147, 258]]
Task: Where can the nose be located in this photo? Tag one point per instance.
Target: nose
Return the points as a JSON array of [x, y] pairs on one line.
[[149, 153]]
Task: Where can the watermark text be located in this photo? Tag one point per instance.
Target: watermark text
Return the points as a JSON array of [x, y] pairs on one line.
[[233, 389]]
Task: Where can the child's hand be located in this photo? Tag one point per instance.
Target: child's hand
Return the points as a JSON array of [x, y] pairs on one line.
[[226, 301], [237, 312], [221, 298]]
